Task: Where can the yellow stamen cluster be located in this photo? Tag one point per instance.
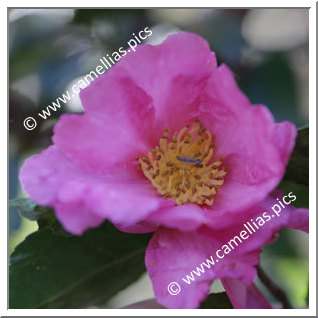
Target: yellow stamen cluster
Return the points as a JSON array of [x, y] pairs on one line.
[[180, 168]]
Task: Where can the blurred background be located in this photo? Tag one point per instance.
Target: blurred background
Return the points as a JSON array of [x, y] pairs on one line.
[[50, 49]]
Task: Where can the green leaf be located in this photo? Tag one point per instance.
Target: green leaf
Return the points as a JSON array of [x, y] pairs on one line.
[[301, 191], [217, 301], [51, 271], [298, 166], [30, 209], [296, 178], [42, 214]]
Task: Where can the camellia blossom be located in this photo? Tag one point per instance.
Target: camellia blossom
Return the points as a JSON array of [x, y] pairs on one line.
[[169, 144]]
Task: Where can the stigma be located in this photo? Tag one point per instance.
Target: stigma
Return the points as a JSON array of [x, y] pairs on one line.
[[181, 166]]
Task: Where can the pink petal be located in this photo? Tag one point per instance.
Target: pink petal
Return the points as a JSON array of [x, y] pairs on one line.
[[244, 297], [266, 226], [117, 134], [284, 139], [122, 196], [186, 217], [172, 255], [76, 217], [140, 227], [299, 220], [253, 147], [173, 74]]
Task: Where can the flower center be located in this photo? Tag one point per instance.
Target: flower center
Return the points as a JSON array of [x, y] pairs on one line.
[[180, 168]]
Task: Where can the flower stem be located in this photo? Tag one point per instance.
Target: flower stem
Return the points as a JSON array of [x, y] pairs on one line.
[[274, 289]]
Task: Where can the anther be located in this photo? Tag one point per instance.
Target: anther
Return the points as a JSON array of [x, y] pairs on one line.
[[185, 173]]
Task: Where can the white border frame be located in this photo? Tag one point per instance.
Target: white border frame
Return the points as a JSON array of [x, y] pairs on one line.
[[312, 160]]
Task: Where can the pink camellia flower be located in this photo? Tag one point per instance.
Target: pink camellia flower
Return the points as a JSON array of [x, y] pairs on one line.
[[168, 143]]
